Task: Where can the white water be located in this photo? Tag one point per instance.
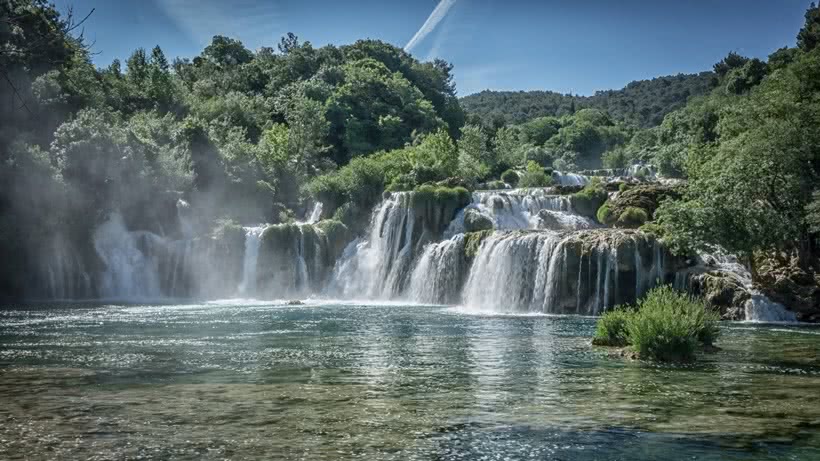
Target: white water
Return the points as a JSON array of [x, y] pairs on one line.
[[316, 214], [436, 277], [761, 309], [522, 209], [569, 179], [253, 240], [129, 273], [376, 266]]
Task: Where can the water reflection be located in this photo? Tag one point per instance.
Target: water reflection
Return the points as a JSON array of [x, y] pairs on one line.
[[332, 381]]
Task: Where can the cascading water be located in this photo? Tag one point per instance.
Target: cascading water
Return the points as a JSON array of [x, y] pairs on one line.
[[129, 273], [316, 213], [569, 179], [253, 240], [437, 276], [523, 209], [561, 273], [377, 266], [65, 275]]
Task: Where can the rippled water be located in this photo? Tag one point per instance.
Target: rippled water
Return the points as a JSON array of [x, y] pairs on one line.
[[240, 380]]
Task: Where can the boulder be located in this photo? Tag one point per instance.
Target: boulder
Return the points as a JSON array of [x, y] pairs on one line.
[[474, 221], [723, 291], [624, 209], [784, 281]]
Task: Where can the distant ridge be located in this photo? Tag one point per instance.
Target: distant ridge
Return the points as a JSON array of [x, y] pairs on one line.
[[642, 103]]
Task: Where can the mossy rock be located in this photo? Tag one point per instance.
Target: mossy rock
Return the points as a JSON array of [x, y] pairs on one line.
[[588, 200], [435, 207], [338, 235], [510, 177], [474, 221], [472, 242], [647, 197]]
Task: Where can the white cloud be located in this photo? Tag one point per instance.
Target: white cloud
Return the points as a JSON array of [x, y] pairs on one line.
[[255, 23], [439, 12]]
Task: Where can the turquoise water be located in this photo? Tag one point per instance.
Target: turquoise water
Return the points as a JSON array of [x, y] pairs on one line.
[[244, 380]]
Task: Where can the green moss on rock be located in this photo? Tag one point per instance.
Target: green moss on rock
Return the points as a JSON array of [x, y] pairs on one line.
[[472, 242]]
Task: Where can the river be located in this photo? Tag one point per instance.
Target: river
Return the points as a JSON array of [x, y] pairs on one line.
[[343, 380]]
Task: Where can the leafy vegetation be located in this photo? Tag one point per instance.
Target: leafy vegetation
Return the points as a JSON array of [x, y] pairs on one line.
[[665, 326], [643, 103]]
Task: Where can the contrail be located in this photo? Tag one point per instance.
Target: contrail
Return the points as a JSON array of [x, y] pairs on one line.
[[439, 12]]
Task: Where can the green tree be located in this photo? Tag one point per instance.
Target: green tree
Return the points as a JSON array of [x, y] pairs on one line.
[[809, 35]]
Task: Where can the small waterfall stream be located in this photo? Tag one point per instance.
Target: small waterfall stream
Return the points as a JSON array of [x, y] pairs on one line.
[[253, 240]]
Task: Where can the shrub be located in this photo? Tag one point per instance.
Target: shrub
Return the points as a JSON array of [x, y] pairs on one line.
[[535, 176], [668, 325], [632, 217], [510, 177], [611, 328]]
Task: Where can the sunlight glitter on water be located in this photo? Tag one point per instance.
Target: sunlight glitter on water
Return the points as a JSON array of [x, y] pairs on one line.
[[344, 380]]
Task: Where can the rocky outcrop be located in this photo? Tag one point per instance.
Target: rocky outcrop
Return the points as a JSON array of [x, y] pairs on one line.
[[722, 291], [783, 280], [635, 205]]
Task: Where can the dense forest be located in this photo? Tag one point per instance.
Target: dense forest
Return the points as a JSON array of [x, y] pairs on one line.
[[245, 136], [642, 103]]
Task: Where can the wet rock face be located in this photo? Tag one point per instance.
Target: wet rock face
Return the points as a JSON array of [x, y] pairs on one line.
[[723, 291], [796, 288]]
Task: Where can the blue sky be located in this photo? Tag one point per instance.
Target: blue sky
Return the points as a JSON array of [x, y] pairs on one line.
[[560, 45]]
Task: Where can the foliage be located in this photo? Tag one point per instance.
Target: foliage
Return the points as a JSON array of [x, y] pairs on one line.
[[534, 176], [611, 328], [666, 326], [510, 177], [642, 103], [809, 36], [632, 217], [603, 214]]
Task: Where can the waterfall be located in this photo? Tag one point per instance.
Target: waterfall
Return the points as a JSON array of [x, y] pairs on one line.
[[436, 279], [64, 273], [129, 272], [508, 272], [253, 240], [521, 209], [561, 273], [759, 308], [377, 267], [316, 213], [569, 179]]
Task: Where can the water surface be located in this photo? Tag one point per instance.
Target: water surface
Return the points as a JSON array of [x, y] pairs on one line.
[[248, 380]]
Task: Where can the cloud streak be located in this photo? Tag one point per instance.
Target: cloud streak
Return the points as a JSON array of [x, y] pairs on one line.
[[439, 12], [255, 23]]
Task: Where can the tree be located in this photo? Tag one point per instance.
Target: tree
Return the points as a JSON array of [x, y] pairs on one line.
[[731, 61], [224, 51], [472, 153], [809, 35]]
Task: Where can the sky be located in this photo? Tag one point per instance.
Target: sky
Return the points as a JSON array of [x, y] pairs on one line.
[[578, 46]]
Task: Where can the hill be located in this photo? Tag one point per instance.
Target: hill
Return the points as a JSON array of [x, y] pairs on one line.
[[643, 103]]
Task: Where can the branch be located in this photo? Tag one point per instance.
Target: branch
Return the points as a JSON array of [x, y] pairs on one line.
[[17, 93]]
